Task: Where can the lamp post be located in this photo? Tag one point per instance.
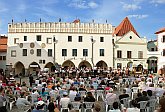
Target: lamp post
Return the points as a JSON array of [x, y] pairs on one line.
[[55, 42], [92, 41], [113, 44]]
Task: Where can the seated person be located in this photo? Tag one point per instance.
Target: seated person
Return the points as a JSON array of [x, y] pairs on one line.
[[134, 108], [82, 88], [65, 100], [124, 95], [115, 107], [89, 98], [39, 107]]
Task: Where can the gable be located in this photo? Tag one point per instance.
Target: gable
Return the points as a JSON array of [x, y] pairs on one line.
[[130, 38], [124, 27]]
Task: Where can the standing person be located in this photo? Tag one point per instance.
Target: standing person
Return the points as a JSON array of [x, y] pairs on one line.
[[2, 100], [31, 80]]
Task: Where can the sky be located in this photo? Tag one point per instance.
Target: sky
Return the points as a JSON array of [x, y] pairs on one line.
[[147, 16]]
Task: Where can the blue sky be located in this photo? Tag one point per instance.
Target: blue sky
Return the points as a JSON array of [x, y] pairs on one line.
[[147, 16]]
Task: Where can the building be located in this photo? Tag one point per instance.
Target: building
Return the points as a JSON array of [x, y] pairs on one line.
[[130, 50], [3, 52], [161, 49], [34, 46], [153, 54]]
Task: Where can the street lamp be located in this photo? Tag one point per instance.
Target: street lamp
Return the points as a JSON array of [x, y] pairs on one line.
[[92, 41], [55, 42], [113, 44]]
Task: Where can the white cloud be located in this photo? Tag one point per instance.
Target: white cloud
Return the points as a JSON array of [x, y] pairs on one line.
[[82, 4], [92, 4], [158, 1], [137, 16], [128, 7]]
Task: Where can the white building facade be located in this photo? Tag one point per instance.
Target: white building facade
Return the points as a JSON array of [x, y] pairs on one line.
[[34, 46], [130, 50], [161, 50], [31, 46]]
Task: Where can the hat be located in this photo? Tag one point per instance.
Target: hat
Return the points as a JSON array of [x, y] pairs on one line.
[[40, 103], [78, 95], [35, 88], [65, 93]]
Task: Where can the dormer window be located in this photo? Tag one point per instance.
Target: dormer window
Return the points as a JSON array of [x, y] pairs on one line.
[[130, 37]]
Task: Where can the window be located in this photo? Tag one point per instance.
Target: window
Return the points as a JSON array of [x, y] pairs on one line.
[[13, 53], [38, 37], [43, 61], [163, 52], [101, 39], [0, 57], [85, 52], [49, 40], [25, 38], [40, 61], [24, 52], [74, 52], [4, 57], [129, 54], [64, 52], [152, 49], [163, 39], [69, 38], [101, 52], [49, 52], [119, 65], [38, 52], [80, 38], [16, 40], [140, 54], [119, 54]]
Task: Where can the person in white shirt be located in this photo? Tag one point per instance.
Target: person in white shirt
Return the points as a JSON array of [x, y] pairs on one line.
[[148, 82], [72, 93], [65, 100], [110, 98]]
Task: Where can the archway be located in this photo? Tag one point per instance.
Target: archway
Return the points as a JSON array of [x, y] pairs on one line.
[[130, 64], [101, 64], [19, 68], [84, 64], [67, 64], [152, 64], [139, 68], [50, 66], [34, 68]]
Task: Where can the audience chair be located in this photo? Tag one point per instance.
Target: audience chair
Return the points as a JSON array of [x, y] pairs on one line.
[[76, 106], [100, 93], [125, 102], [143, 105], [89, 106], [152, 105]]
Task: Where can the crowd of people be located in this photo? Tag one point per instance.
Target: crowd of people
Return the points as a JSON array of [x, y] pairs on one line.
[[117, 90]]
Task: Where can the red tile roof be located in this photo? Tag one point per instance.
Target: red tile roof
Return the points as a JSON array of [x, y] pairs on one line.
[[76, 21], [124, 27], [160, 31], [3, 44]]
